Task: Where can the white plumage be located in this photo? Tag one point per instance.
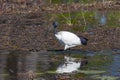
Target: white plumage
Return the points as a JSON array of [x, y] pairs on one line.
[[69, 66], [69, 39]]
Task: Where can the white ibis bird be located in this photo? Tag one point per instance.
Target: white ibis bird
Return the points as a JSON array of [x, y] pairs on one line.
[[69, 39]]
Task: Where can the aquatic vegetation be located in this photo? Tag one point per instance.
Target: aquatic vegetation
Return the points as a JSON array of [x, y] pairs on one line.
[[68, 19], [113, 19], [79, 75], [104, 77], [91, 71], [86, 20], [79, 56], [51, 72], [77, 19], [27, 22], [98, 60]]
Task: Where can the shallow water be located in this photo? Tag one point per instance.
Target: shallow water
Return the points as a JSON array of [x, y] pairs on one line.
[[70, 65], [23, 65], [114, 68], [16, 64]]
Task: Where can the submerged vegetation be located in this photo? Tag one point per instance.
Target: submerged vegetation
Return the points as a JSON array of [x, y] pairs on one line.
[[104, 77], [98, 61]]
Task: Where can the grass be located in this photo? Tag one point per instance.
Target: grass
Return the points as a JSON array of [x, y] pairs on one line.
[[113, 19], [72, 19], [67, 18], [85, 20]]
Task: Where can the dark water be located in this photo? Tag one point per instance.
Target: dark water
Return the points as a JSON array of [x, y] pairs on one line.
[[16, 65], [114, 68]]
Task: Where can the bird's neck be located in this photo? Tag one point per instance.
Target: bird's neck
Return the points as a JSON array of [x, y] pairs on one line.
[[55, 31]]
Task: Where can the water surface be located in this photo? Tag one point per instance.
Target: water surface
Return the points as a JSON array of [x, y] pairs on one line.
[[16, 64]]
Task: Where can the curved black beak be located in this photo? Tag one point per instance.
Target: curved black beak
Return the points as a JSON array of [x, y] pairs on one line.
[[54, 25]]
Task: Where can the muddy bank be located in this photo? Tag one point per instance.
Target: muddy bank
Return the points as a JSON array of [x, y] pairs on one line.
[[23, 26], [99, 39], [107, 5], [33, 38], [31, 6]]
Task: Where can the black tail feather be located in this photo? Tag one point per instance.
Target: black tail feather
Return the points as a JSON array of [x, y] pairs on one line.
[[83, 40]]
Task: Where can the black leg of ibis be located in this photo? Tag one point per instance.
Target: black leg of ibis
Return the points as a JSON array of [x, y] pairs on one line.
[[63, 52], [69, 52]]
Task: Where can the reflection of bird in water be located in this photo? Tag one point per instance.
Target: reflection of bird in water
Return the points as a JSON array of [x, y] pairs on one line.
[[70, 65], [69, 39], [67, 60]]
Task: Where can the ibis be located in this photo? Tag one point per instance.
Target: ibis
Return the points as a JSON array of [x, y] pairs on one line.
[[67, 38]]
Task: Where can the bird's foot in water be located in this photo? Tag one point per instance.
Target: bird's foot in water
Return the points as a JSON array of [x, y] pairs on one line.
[[68, 52]]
